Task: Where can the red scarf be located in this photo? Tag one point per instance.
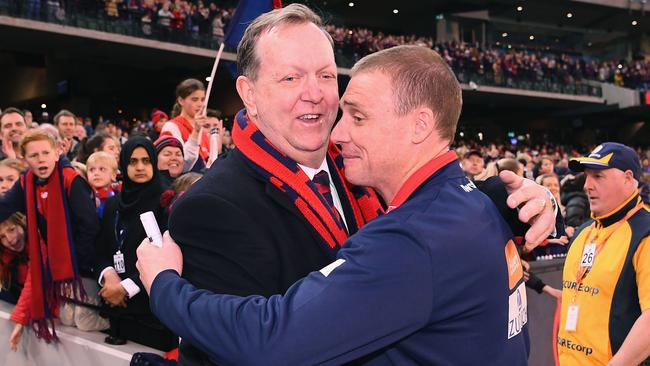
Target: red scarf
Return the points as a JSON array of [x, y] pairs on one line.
[[10, 260], [284, 173], [186, 128], [53, 265], [107, 192]]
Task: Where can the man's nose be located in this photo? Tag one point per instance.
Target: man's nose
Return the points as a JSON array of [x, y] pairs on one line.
[[340, 133], [312, 90]]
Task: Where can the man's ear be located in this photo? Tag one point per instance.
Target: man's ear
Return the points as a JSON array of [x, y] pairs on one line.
[[246, 91], [424, 124]]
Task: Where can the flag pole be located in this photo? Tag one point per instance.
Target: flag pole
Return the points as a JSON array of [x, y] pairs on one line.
[[214, 71]]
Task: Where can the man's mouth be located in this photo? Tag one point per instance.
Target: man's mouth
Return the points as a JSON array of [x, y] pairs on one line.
[[310, 118]]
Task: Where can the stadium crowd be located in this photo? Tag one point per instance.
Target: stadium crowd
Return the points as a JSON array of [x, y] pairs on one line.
[[185, 21], [503, 64], [163, 156]]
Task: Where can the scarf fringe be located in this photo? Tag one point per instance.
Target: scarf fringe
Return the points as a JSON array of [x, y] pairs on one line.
[[69, 291], [42, 330]]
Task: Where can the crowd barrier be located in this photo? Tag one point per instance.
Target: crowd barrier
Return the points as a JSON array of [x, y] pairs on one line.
[[75, 348]]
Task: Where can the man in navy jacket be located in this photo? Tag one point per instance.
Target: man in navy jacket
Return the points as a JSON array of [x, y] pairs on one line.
[[436, 280]]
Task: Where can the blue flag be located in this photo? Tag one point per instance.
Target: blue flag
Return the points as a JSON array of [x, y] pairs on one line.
[[246, 12]]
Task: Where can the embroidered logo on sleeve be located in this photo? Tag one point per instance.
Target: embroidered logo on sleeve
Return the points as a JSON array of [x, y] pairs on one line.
[[332, 266]]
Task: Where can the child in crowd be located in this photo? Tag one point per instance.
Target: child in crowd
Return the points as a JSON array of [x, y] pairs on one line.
[[10, 170], [102, 172], [180, 185], [61, 230], [13, 257]]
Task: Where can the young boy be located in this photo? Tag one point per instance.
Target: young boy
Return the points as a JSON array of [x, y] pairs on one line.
[[61, 230], [101, 168]]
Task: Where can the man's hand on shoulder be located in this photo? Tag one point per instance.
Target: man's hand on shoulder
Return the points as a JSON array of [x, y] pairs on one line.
[[535, 206]]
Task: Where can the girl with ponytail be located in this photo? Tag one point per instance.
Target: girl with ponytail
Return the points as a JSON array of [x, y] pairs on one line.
[[188, 118]]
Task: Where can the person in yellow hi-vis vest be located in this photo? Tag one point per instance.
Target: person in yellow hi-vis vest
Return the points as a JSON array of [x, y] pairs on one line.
[[606, 281]]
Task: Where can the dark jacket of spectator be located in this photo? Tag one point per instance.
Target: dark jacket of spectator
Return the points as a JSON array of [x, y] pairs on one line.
[[577, 208]]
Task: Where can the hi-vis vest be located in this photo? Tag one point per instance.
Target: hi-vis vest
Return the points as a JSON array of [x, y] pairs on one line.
[[613, 293]]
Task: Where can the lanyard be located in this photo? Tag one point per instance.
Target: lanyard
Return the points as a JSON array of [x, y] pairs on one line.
[[120, 234], [582, 271]]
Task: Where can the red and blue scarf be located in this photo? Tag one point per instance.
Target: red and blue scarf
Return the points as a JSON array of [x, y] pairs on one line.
[[284, 173], [53, 266]]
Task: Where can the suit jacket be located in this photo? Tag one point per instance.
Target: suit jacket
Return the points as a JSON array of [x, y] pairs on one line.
[[241, 235]]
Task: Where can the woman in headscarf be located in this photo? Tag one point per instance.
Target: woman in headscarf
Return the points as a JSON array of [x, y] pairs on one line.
[[126, 301]]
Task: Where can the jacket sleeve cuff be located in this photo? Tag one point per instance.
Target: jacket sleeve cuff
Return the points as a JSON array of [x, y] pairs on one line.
[[100, 279], [19, 318], [161, 279], [131, 288]]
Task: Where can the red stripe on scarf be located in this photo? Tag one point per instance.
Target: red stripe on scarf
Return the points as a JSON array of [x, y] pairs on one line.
[[367, 207], [309, 203], [334, 235], [56, 254]]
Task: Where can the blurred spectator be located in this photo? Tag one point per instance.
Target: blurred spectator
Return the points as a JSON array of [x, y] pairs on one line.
[[158, 119], [228, 143], [12, 128], [13, 257], [10, 170], [98, 142], [65, 122], [644, 188], [179, 187], [546, 166], [28, 118], [550, 181], [511, 165], [111, 8], [473, 163], [575, 201]]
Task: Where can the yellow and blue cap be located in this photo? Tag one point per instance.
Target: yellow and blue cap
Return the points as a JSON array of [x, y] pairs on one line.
[[609, 155]]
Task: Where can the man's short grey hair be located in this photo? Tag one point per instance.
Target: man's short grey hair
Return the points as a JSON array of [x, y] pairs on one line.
[[247, 61]]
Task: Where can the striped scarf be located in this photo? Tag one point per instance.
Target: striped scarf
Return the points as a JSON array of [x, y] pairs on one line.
[[284, 173], [53, 266]]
